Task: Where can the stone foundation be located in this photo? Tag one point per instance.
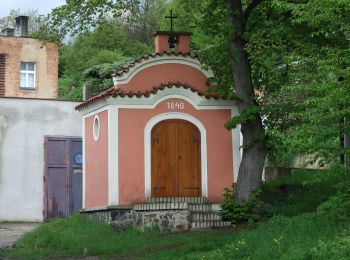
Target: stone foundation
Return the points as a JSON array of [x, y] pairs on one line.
[[173, 220], [178, 220], [166, 213]]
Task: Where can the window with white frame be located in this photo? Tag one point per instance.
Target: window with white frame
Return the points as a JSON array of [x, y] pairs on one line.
[[28, 75], [96, 128]]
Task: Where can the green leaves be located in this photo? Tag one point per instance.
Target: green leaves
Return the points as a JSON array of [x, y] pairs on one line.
[[77, 17], [98, 78], [248, 115], [237, 212], [96, 53], [300, 66]]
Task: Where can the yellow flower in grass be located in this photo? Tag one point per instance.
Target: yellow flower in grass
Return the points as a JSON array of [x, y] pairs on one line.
[[241, 242], [277, 240]]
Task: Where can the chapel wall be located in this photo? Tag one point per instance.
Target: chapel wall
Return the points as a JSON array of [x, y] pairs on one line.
[[156, 75], [96, 162], [132, 149]]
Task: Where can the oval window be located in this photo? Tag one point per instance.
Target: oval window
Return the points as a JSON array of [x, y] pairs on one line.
[[96, 128]]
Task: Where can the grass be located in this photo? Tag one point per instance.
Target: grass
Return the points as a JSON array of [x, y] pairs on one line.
[[282, 238], [292, 234], [76, 236]]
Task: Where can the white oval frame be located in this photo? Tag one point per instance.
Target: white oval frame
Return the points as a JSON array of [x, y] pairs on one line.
[[96, 128]]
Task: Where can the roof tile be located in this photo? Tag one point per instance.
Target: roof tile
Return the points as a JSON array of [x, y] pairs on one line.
[[118, 92], [146, 57]]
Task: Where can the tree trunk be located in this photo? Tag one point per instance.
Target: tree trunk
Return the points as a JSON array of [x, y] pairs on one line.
[[254, 154]]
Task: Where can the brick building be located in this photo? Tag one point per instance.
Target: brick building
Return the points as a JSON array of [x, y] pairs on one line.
[[28, 67]]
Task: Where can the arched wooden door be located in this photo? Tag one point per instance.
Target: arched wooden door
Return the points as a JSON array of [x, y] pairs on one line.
[[175, 159]]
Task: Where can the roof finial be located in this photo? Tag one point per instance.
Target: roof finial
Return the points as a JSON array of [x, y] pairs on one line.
[[171, 17]]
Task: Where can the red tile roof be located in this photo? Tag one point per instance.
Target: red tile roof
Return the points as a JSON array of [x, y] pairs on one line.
[[118, 92], [153, 55]]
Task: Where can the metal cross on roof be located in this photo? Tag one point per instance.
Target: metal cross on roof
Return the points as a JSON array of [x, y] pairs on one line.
[[171, 17]]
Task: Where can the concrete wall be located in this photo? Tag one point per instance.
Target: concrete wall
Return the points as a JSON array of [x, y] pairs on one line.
[[45, 56], [23, 125]]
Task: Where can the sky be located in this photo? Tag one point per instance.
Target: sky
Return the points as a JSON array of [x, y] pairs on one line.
[[43, 6]]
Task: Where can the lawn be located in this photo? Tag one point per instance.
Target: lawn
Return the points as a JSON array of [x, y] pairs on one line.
[[78, 236], [297, 231]]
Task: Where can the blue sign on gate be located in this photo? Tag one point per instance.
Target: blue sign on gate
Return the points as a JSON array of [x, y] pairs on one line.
[[78, 159]]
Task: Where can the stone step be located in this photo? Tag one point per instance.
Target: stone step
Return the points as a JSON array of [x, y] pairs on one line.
[[205, 216], [204, 207], [160, 206], [210, 224], [189, 200]]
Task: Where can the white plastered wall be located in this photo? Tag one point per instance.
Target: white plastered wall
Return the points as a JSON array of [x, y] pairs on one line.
[[23, 125]]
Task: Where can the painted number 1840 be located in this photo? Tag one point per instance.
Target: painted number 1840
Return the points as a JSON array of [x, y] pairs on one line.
[[176, 105]]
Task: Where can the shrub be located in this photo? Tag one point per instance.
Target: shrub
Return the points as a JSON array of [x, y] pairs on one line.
[[337, 207], [98, 77], [238, 212]]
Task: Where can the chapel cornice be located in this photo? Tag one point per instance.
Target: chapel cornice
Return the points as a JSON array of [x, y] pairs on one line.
[[118, 96]]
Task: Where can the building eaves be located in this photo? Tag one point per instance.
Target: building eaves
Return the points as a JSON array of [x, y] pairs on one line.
[[118, 92]]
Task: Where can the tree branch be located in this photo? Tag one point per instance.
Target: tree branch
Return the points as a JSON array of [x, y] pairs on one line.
[[249, 10]]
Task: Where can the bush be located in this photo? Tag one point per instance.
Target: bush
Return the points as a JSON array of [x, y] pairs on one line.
[[337, 208], [238, 212], [301, 192], [106, 44], [98, 77]]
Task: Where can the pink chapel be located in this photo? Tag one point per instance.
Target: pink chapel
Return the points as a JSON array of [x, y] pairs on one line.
[[157, 133]]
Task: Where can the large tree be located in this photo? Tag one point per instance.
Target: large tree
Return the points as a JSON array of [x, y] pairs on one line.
[[139, 18], [254, 150]]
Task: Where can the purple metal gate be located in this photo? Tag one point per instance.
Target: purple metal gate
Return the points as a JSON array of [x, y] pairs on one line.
[[63, 176]]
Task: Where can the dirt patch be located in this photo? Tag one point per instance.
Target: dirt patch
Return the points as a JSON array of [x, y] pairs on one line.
[[11, 232]]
